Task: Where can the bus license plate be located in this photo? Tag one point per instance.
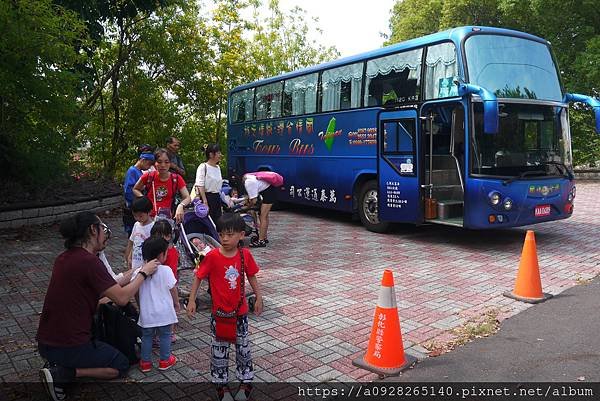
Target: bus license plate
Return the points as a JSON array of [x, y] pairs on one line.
[[542, 210]]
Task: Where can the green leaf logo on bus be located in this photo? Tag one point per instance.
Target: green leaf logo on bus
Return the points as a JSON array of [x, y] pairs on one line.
[[329, 135]]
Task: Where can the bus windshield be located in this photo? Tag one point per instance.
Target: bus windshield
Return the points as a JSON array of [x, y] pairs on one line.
[[533, 141], [512, 67]]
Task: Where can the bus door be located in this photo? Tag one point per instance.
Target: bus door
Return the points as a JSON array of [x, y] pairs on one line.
[[398, 169], [443, 135]]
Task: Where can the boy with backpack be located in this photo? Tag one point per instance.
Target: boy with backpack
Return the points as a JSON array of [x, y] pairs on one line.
[[226, 269], [158, 306]]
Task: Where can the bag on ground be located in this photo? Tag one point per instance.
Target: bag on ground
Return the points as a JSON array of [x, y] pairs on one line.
[[118, 327]]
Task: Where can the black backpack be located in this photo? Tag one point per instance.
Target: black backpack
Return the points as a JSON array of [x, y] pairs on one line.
[[117, 326]]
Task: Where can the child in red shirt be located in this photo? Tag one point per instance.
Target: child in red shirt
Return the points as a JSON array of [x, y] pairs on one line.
[[226, 268], [162, 228]]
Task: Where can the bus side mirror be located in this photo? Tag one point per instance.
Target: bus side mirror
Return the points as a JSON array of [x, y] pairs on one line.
[[590, 101], [490, 105]]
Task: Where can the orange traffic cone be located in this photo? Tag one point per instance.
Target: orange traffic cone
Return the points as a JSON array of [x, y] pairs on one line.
[[528, 287], [385, 353]]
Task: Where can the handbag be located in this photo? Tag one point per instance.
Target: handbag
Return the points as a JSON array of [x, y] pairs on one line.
[[226, 322]]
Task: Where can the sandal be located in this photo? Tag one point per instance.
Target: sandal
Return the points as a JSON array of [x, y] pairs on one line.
[[258, 244]]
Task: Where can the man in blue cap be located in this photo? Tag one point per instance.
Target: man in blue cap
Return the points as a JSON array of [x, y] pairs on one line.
[[145, 161]]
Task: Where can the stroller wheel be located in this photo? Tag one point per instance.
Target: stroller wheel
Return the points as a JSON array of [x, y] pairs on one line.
[[251, 302]]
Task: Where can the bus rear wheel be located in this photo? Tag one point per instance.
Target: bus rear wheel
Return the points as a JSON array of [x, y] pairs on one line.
[[368, 209]]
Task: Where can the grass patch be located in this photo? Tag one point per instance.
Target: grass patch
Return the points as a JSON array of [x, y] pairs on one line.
[[480, 326]]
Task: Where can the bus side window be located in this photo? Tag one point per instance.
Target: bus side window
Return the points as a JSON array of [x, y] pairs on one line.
[[268, 101], [300, 95], [340, 87], [393, 79], [440, 71]]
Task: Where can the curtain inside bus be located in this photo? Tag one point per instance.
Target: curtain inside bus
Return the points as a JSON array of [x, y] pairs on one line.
[[242, 105], [440, 71], [341, 87], [300, 95], [268, 101]]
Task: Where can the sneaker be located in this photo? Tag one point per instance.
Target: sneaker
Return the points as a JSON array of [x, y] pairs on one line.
[[258, 244], [243, 392], [164, 365], [54, 379], [224, 394], [145, 366]]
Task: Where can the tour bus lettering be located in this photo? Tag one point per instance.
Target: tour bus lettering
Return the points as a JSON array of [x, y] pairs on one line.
[[298, 148], [323, 136], [259, 147]]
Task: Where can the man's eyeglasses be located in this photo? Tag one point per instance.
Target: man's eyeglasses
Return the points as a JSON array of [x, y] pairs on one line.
[[105, 229]]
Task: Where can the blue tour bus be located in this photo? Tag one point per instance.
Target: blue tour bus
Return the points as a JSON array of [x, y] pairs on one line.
[[468, 127]]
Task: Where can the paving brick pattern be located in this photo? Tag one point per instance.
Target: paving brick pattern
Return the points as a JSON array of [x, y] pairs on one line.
[[320, 276]]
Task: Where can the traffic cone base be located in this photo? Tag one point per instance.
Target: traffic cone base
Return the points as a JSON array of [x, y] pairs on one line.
[[512, 295], [361, 363], [528, 285]]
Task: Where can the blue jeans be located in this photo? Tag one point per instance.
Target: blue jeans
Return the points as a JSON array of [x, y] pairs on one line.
[[164, 336]]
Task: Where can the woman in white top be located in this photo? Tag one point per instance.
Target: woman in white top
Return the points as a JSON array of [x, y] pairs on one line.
[[209, 181]]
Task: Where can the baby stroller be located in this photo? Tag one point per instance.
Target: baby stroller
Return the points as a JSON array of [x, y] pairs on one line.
[[196, 236]]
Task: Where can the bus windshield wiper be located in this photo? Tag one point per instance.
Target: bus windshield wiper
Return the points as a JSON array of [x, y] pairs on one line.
[[564, 170], [522, 175]]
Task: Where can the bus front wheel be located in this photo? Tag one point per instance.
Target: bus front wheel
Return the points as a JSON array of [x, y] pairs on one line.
[[368, 208]]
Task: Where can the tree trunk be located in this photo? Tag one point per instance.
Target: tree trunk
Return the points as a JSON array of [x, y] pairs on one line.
[[218, 123], [117, 135]]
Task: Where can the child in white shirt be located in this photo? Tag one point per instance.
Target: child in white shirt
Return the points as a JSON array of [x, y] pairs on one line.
[[140, 208], [158, 306]]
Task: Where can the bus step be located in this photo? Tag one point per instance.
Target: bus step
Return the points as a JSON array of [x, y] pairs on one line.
[[448, 209]]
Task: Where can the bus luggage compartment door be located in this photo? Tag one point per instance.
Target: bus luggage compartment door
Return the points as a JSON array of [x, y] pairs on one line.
[[398, 167]]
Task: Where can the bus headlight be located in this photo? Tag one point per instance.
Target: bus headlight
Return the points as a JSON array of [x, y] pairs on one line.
[[508, 204], [494, 198], [571, 195]]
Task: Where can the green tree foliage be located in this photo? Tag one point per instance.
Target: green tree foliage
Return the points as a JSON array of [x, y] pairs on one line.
[[38, 59], [281, 42], [96, 78], [230, 64], [414, 18], [155, 90], [571, 26]]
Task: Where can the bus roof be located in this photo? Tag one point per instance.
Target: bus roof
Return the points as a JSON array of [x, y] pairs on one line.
[[454, 34]]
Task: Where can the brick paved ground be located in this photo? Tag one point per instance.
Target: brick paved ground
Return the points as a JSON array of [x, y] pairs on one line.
[[320, 276]]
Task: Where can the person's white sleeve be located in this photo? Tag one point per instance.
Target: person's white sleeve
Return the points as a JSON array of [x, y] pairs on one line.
[[135, 273], [169, 277], [102, 257], [251, 188], [200, 175]]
